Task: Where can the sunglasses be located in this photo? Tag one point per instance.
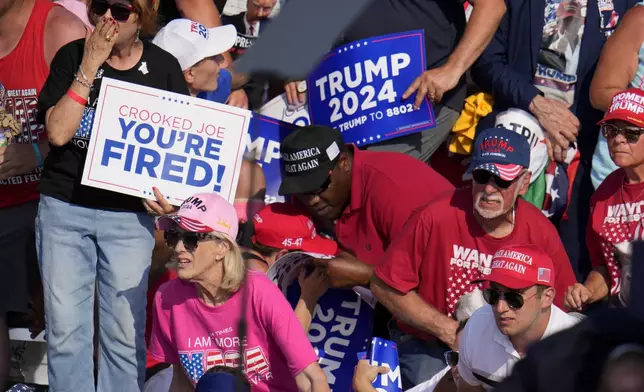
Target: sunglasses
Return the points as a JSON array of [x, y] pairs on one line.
[[632, 135], [514, 299], [190, 240], [483, 177], [120, 12], [451, 357]]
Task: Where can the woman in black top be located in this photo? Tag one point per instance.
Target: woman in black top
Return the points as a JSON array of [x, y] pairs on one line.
[[90, 239]]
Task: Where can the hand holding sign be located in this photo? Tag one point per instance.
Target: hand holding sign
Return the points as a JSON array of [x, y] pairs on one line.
[[159, 207], [365, 375], [313, 285], [357, 88], [433, 84]]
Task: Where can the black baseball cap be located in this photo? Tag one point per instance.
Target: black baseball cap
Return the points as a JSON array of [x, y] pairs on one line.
[[308, 154]]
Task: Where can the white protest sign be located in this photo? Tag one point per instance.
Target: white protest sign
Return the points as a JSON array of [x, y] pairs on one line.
[[144, 137], [286, 268], [279, 109]]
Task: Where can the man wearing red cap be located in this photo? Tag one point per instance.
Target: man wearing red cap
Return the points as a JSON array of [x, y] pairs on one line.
[[521, 294], [616, 206], [281, 228], [450, 243]]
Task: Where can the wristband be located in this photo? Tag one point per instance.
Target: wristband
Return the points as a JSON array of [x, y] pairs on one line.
[[39, 157], [72, 94]]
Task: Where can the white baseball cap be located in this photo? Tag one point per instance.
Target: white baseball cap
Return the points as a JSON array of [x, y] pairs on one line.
[[191, 42]]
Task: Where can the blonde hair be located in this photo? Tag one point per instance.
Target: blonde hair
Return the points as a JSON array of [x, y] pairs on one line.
[[234, 266]]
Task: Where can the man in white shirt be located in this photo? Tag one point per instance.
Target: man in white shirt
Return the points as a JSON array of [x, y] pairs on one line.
[[520, 312]]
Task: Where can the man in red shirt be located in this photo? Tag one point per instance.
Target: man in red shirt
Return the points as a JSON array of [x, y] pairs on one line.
[[617, 217], [364, 197], [31, 32], [450, 243]]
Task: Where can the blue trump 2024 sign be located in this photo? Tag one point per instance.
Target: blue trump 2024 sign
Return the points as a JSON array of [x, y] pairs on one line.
[[263, 144], [357, 88], [341, 327]]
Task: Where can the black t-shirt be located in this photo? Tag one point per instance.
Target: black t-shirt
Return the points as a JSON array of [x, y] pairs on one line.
[[63, 170], [442, 20], [168, 11]]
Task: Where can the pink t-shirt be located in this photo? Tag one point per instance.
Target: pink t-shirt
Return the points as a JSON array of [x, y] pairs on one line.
[[199, 336]]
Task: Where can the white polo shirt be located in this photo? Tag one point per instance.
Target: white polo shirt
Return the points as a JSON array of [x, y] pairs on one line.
[[486, 356]]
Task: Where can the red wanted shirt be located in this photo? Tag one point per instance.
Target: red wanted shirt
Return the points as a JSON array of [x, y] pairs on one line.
[[442, 249], [616, 217], [386, 188]]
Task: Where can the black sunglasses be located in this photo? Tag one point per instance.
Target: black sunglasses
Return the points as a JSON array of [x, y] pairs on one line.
[[451, 357], [190, 240], [120, 12], [632, 135], [483, 177], [514, 299]]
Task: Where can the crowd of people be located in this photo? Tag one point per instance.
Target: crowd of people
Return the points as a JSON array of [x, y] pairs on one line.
[[475, 245]]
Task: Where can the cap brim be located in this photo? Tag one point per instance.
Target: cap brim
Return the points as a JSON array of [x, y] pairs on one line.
[[168, 222], [320, 245], [509, 282], [620, 116], [506, 172], [221, 39], [294, 185]]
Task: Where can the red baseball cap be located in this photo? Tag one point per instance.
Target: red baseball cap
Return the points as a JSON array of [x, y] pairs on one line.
[[285, 226], [521, 266], [626, 106]]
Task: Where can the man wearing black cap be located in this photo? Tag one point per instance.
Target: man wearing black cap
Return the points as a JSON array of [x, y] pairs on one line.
[[450, 243], [366, 197]]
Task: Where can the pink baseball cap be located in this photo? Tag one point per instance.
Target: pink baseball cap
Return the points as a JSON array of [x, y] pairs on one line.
[[204, 213], [520, 266]]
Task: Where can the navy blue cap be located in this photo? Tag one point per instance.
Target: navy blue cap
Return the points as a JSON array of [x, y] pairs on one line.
[[502, 152], [219, 382]]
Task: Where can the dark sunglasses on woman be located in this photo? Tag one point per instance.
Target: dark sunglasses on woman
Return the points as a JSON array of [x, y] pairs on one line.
[[120, 12], [514, 299], [190, 240], [632, 135], [483, 177]]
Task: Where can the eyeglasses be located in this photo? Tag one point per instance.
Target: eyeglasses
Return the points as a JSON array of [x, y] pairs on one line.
[[120, 12], [451, 357], [483, 177], [632, 135], [190, 240], [514, 299]]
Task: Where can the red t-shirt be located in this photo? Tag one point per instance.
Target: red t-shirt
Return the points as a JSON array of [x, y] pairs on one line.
[[442, 249], [386, 188], [23, 73], [616, 217]]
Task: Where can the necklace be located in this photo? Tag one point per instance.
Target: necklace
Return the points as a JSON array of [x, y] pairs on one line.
[[622, 192]]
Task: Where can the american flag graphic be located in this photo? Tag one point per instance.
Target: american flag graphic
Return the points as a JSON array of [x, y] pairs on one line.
[[544, 275], [193, 365], [232, 359], [611, 235], [214, 358], [190, 224], [85, 128], [256, 362], [506, 172], [557, 185]]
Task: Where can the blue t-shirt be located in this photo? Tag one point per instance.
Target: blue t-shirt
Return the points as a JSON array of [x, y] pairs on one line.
[[223, 90]]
